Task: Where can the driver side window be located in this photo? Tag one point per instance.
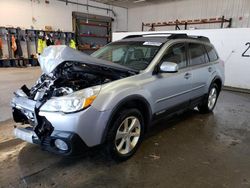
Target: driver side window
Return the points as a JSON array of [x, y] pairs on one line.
[[176, 54]]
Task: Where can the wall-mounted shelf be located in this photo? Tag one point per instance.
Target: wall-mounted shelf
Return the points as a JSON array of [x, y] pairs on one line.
[[94, 24], [177, 23], [92, 31]]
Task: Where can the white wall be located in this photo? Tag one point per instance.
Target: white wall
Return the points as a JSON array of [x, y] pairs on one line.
[[19, 13], [230, 44], [190, 9]]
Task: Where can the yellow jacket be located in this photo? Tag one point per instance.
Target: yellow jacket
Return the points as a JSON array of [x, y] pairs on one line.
[[41, 44], [72, 44]]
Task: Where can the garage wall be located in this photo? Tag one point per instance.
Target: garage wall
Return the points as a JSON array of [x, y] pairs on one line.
[[19, 13], [233, 46], [190, 9]]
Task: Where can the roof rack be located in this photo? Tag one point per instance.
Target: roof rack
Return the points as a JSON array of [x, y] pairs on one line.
[[132, 36], [149, 34], [200, 38], [172, 36]]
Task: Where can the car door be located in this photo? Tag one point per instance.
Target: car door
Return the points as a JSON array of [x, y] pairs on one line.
[[200, 69], [171, 90]]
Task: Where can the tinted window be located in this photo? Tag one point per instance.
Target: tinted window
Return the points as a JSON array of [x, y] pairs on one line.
[[176, 54], [198, 55], [211, 54]]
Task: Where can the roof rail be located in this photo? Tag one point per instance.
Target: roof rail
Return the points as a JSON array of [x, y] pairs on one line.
[[149, 34], [178, 36], [202, 38], [132, 36], [172, 36]]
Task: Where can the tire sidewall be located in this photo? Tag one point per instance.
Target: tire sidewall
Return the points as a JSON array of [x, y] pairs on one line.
[[217, 91], [122, 115]]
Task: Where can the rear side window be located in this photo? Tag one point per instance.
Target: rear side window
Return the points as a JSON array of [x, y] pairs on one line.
[[211, 53], [197, 54]]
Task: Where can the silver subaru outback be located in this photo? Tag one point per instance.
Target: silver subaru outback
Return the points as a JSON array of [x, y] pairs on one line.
[[112, 96]]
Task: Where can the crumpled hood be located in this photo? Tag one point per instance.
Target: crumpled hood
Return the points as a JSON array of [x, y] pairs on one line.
[[53, 56]]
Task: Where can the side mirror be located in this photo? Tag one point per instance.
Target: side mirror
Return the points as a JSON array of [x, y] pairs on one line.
[[168, 67]]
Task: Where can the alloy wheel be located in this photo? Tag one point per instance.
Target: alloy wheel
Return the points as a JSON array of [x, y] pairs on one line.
[[127, 135], [212, 98]]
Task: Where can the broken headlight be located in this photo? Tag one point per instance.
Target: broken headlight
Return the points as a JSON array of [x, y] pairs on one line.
[[72, 102]]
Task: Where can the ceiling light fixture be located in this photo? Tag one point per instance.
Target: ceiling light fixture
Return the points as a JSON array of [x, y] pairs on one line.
[[138, 1]]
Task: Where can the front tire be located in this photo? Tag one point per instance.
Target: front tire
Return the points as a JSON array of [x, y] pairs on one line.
[[125, 135], [210, 100]]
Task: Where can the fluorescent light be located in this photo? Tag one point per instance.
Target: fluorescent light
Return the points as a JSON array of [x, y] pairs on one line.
[[138, 1]]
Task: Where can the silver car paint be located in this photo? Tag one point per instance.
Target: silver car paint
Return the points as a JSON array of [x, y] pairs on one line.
[[89, 124], [160, 90], [154, 88]]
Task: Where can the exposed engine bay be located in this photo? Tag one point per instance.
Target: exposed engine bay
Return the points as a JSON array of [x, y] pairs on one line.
[[65, 71], [69, 77]]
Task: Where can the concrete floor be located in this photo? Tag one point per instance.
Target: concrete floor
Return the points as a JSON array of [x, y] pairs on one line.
[[192, 150]]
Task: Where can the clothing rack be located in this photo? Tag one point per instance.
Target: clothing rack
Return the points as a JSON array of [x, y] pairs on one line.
[[19, 47]]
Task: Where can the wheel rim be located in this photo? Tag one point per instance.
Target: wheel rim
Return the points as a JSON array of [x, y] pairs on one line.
[[212, 98], [127, 135]]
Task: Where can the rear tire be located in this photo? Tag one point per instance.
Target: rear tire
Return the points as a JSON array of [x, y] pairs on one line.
[[210, 100], [125, 135]]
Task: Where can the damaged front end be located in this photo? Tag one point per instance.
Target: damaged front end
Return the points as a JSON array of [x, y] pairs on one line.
[[70, 83]]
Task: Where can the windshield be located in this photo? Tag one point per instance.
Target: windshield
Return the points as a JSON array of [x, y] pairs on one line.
[[134, 55]]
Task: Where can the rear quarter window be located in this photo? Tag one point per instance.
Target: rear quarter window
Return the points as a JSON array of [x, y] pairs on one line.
[[212, 55]]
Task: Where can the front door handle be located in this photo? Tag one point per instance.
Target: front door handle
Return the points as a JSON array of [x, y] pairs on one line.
[[210, 69], [187, 75]]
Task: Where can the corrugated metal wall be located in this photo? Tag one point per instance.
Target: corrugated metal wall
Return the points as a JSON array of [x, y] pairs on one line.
[[239, 10]]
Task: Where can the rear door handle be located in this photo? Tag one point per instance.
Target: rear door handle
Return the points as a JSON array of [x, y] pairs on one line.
[[187, 75], [210, 69]]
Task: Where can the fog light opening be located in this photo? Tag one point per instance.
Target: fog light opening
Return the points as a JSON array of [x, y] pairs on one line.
[[62, 145]]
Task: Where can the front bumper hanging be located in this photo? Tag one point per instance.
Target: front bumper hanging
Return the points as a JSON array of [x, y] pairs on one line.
[[38, 130]]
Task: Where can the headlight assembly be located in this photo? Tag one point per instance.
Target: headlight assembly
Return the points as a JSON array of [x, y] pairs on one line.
[[72, 102]]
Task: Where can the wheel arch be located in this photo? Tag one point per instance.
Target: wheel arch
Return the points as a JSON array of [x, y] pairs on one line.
[[218, 81], [133, 101]]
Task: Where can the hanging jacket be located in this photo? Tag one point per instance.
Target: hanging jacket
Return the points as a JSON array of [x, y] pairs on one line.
[[41, 44], [1, 43], [49, 42], [19, 51], [72, 44], [13, 43], [1, 48], [44, 45], [58, 42]]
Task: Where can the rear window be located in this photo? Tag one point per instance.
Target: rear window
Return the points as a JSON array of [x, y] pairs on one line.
[[211, 53]]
